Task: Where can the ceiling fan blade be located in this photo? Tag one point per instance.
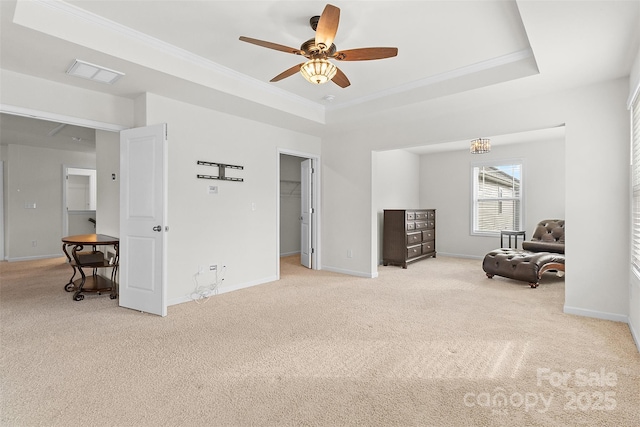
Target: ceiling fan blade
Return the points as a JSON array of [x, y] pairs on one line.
[[340, 79], [366, 53], [270, 45], [290, 72], [327, 27]]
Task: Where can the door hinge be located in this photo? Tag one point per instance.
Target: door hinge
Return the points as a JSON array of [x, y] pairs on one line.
[[166, 228], [313, 250]]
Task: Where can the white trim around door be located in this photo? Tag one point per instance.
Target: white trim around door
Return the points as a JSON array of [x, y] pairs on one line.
[[315, 229]]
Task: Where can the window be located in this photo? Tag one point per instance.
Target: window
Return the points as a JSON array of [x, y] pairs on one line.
[[497, 198], [635, 182]]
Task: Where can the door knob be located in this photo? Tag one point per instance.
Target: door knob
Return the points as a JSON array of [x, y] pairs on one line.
[[157, 228]]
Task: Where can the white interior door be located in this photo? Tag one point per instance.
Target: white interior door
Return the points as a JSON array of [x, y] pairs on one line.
[[143, 208], [1, 210], [306, 241]]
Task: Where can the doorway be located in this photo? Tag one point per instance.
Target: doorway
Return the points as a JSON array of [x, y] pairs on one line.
[[292, 233], [79, 193], [45, 143]]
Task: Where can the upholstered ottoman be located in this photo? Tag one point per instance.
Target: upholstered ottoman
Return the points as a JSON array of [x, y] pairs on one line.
[[521, 265]]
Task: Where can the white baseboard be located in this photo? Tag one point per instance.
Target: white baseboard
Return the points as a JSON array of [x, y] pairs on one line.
[[596, 314], [461, 255], [179, 300], [447, 254], [635, 336], [32, 258], [350, 272], [290, 253], [224, 290]]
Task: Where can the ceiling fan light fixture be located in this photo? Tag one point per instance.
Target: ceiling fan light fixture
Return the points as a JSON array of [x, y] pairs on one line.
[[318, 71]]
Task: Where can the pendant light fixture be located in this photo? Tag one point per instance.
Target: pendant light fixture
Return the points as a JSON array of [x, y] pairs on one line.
[[480, 146]]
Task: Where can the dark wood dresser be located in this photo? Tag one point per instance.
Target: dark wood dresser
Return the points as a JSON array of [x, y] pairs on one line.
[[409, 235]]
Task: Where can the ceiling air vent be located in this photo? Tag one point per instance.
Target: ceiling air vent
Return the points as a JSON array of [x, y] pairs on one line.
[[93, 72]]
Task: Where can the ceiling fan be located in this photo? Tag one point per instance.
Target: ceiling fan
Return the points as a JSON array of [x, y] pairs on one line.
[[318, 69]]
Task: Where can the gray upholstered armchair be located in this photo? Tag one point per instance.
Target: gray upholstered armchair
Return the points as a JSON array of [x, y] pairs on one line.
[[548, 237]]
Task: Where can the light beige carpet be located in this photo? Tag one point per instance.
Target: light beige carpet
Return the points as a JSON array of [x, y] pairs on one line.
[[437, 344]]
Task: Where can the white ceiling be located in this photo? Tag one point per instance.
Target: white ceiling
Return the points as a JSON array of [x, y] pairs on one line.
[[449, 52], [46, 134]]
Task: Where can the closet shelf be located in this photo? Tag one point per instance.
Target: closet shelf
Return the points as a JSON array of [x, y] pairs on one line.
[[290, 188]]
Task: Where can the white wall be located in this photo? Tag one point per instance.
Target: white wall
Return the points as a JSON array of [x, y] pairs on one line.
[[3, 191], [396, 184], [445, 184], [79, 223], [108, 163], [348, 222], [22, 91], [596, 179], [224, 229], [34, 175]]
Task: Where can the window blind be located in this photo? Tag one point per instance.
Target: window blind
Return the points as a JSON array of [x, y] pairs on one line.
[[497, 198], [635, 181]]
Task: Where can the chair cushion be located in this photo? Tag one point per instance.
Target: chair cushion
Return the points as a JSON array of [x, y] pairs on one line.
[[547, 237], [541, 246], [518, 265]]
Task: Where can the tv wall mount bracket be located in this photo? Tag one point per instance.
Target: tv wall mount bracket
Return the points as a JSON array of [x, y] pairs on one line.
[[221, 171]]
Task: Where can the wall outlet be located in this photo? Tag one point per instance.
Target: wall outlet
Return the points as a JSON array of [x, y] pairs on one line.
[[34, 243], [349, 253], [213, 267]]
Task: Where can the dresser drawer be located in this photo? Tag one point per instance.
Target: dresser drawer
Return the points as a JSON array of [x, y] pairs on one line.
[[413, 238], [421, 225], [431, 215], [428, 247], [431, 224], [411, 216], [428, 235], [413, 251], [421, 216], [411, 226]]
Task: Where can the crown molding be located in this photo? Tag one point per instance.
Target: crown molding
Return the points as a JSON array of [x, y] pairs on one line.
[[242, 79], [59, 118], [442, 77], [174, 51]]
